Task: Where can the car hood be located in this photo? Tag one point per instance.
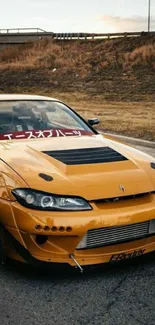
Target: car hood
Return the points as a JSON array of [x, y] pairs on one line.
[[29, 158]]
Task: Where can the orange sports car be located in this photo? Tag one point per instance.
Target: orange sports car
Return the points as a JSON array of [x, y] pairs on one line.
[[67, 193]]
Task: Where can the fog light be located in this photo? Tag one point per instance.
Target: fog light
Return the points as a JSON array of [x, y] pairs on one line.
[[68, 229], [61, 229], [46, 228], [38, 227], [54, 229]]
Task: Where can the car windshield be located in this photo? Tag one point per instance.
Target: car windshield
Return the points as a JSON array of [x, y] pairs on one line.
[[39, 119]]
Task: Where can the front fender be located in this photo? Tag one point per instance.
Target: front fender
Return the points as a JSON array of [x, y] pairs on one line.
[[9, 180]]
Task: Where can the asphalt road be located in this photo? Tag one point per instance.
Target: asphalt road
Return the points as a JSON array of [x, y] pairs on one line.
[[149, 151], [120, 294]]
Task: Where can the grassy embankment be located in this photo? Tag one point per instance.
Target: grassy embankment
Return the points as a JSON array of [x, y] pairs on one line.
[[113, 79]]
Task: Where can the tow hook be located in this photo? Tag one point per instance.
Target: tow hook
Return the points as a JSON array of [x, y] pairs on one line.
[[76, 262]]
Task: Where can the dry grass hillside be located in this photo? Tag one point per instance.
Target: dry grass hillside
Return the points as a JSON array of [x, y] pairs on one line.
[[114, 79]]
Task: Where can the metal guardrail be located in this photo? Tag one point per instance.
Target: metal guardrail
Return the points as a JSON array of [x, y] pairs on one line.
[[88, 36], [21, 30], [25, 35]]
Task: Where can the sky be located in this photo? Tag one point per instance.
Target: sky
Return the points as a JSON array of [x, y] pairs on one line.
[[77, 15]]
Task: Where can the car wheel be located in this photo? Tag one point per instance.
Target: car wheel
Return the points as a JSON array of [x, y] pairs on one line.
[[3, 256]]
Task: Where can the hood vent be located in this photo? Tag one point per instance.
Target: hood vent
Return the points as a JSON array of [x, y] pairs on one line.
[[86, 156]]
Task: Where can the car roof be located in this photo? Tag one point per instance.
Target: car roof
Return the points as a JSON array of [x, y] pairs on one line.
[[24, 97]]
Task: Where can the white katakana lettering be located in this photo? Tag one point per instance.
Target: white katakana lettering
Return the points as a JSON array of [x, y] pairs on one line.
[[40, 134], [31, 135], [61, 133], [50, 133], [77, 133], [20, 136], [9, 136]]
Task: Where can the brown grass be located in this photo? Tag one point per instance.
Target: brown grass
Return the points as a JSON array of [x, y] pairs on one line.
[[44, 55], [119, 69], [143, 56], [132, 119], [113, 80], [82, 57]]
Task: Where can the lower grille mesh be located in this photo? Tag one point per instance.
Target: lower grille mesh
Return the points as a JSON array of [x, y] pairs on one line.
[[113, 235]]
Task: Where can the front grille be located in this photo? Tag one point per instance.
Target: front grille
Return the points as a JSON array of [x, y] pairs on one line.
[[115, 235], [86, 156], [123, 198]]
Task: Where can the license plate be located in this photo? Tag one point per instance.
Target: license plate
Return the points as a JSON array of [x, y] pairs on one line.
[[125, 256]]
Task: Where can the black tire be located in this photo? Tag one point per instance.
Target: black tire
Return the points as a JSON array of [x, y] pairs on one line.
[[3, 256]]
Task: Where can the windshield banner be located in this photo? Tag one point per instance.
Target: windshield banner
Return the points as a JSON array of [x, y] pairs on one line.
[[36, 134]]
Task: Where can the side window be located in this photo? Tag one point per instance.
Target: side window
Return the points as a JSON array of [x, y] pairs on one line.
[[5, 122]]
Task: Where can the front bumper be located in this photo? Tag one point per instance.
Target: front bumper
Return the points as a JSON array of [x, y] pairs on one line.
[[64, 231], [83, 258]]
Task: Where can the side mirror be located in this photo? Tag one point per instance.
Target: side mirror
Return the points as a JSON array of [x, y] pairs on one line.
[[93, 121]]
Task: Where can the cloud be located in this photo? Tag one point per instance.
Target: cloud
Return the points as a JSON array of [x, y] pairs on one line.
[[91, 24], [107, 24], [123, 24]]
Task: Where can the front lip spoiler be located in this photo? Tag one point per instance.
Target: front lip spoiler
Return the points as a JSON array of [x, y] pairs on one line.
[[30, 260]]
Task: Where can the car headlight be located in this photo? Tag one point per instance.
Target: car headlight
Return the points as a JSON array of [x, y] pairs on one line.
[[38, 200]]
